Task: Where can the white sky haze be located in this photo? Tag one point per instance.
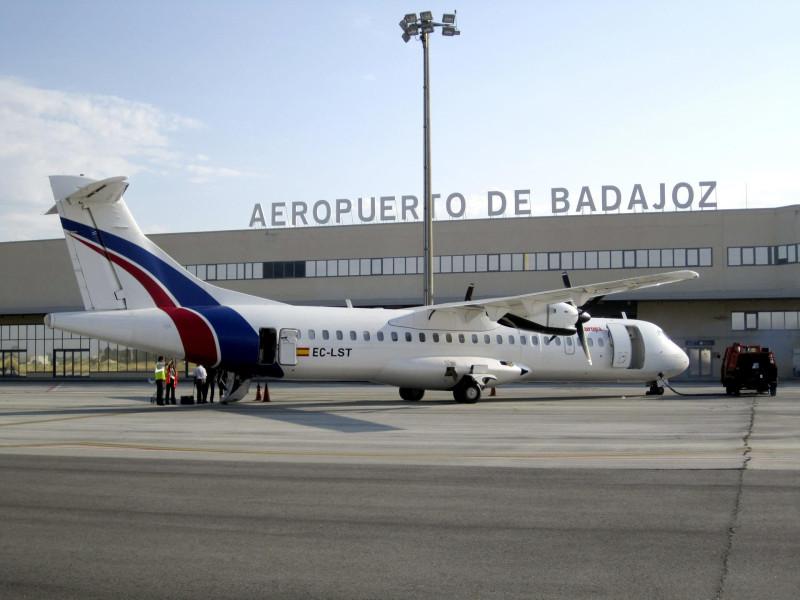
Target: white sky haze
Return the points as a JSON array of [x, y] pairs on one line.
[[210, 107]]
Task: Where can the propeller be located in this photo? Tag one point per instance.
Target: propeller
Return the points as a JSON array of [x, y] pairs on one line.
[[583, 316], [468, 295]]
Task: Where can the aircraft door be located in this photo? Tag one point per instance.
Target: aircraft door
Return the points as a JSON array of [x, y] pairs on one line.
[[287, 349], [621, 342]]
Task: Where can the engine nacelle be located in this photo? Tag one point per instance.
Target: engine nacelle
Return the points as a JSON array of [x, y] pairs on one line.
[[557, 316], [444, 373]]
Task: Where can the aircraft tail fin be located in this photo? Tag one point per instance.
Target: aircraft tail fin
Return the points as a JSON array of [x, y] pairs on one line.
[[116, 265]]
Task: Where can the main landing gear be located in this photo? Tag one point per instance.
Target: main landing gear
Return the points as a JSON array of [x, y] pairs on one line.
[[655, 389], [468, 392], [411, 394]]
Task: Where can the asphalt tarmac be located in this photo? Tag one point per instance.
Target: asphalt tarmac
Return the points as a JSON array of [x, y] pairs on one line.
[[345, 491]]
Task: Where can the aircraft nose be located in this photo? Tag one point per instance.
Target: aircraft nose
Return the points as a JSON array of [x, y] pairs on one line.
[[678, 361]]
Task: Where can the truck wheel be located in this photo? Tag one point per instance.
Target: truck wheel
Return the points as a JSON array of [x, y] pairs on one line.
[[773, 389]]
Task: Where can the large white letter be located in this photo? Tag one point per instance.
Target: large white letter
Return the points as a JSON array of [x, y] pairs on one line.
[[502, 209], [257, 218], [522, 198], [343, 206], [448, 205], [278, 207], [327, 208], [558, 200]]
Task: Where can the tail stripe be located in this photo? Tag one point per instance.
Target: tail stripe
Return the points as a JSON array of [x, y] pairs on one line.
[[178, 284], [198, 338], [197, 327]]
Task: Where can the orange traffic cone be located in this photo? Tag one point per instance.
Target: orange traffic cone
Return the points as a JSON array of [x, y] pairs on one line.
[[258, 393], [266, 393], [493, 392]]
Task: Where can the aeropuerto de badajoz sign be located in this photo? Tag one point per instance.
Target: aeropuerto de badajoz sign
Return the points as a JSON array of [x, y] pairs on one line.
[[408, 208]]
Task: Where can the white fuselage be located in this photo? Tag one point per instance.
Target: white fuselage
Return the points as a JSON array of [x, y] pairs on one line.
[[397, 348]]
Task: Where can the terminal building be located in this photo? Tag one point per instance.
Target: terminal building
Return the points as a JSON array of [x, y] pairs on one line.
[[748, 290]]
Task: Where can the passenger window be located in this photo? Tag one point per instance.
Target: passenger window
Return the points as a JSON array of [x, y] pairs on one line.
[[523, 340], [558, 341], [449, 338], [601, 343], [499, 339], [312, 334], [569, 341], [380, 336], [325, 334], [366, 336], [421, 337], [436, 337], [535, 340], [547, 341], [486, 339], [474, 338], [590, 341], [408, 336], [511, 340], [394, 336], [353, 335], [339, 334], [461, 337]]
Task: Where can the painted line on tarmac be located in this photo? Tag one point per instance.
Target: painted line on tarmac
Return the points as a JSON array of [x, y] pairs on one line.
[[677, 455], [56, 419]]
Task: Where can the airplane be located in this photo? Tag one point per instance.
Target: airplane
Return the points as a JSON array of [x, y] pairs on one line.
[[136, 295]]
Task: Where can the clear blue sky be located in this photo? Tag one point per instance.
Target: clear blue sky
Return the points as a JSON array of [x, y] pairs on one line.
[[211, 106]]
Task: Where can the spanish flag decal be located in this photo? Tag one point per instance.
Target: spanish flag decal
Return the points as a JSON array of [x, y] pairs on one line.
[[302, 352]]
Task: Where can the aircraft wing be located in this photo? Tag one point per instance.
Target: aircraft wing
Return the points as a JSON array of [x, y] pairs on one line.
[[527, 305]]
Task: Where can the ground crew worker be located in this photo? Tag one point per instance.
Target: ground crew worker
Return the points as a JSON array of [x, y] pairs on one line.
[[200, 383], [172, 382], [161, 376]]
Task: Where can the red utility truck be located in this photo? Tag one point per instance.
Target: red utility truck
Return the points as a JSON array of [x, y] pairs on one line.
[[749, 368]]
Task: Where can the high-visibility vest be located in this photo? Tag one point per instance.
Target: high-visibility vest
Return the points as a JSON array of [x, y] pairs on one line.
[[160, 374]]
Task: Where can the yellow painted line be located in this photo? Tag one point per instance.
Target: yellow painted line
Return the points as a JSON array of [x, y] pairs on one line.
[[57, 419], [731, 454]]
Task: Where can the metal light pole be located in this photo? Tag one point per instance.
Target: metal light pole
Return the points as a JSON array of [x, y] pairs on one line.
[[413, 27]]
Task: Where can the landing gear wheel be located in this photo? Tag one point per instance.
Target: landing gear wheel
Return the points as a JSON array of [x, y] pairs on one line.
[[467, 393], [411, 394], [655, 390]]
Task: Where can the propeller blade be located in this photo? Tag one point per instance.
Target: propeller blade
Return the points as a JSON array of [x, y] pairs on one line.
[[468, 295], [584, 344], [590, 303]]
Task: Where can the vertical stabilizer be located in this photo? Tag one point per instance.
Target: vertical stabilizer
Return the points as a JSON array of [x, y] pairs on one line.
[[81, 203], [116, 265]]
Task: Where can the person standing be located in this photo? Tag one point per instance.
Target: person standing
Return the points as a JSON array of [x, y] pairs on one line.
[[172, 381], [211, 379], [200, 383], [160, 378]]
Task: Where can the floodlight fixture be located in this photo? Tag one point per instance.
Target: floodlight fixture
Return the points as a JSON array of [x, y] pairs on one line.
[[412, 27]]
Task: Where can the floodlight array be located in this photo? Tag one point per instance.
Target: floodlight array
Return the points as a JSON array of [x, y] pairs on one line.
[[412, 25]]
